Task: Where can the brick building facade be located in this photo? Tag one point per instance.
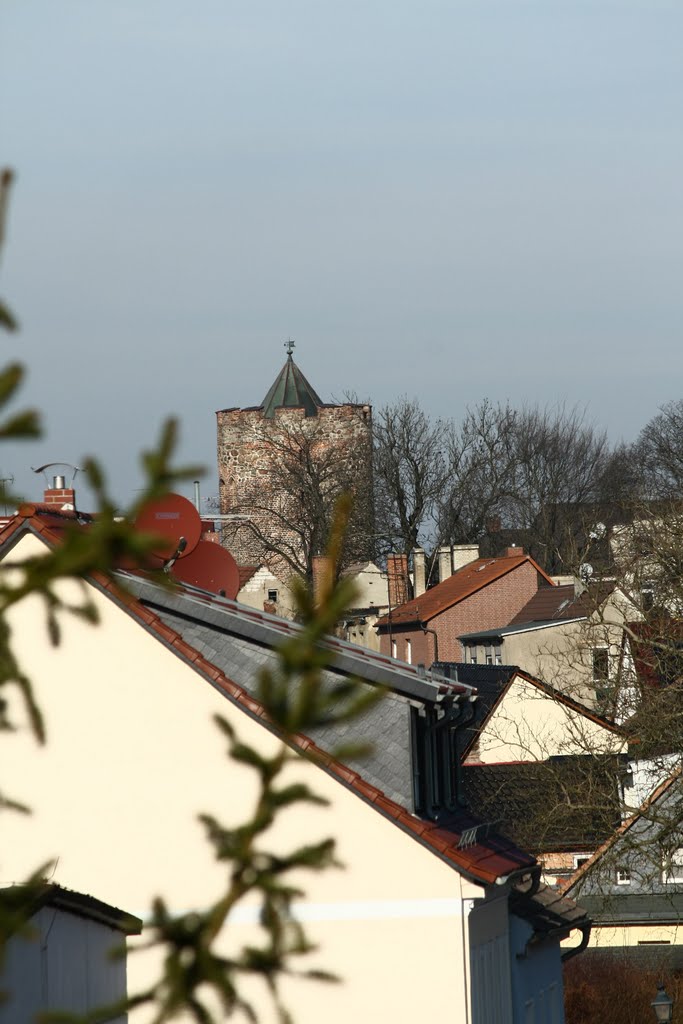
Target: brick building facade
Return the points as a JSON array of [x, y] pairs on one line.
[[487, 593], [281, 467]]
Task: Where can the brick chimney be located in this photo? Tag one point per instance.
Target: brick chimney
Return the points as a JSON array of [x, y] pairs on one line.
[[397, 579], [322, 576], [513, 551], [419, 572], [59, 495]]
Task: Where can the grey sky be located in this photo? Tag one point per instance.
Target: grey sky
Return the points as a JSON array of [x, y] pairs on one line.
[[453, 200]]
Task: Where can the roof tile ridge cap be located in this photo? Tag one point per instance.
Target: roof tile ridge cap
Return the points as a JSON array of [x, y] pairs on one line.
[[14, 524], [27, 510]]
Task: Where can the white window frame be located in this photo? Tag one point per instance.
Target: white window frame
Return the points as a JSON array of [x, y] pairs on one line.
[[672, 867]]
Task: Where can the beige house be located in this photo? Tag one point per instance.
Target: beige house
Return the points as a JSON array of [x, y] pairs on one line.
[[548, 769], [132, 756], [571, 637]]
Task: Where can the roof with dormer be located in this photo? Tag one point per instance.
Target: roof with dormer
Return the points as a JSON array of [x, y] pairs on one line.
[[291, 390]]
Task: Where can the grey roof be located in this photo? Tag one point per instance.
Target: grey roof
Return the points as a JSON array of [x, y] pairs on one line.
[[241, 642], [635, 908], [291, 390], [523, 627]]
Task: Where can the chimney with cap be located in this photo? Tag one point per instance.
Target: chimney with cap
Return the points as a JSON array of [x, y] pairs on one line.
[[59, 495]]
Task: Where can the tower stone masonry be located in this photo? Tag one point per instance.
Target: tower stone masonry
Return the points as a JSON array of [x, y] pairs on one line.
[[281, 467]]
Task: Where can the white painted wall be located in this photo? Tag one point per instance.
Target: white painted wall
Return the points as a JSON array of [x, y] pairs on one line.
[[132, 757], [529, 725]]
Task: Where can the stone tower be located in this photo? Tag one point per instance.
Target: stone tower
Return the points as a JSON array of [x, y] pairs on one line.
[[282, 465]]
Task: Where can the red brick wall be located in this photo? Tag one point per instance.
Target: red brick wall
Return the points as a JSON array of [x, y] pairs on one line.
[[493, 606]]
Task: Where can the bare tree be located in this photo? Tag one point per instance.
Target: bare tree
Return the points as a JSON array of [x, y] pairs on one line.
[[536, 471], [659, 452], [410, 472], [480, 460], [285, 516]]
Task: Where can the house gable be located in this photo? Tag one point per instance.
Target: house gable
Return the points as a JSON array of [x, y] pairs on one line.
[[531, 722]]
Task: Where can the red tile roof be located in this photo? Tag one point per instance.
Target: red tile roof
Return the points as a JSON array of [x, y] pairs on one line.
[[246, 572], [562, 603], [460, 839], [463, 583]]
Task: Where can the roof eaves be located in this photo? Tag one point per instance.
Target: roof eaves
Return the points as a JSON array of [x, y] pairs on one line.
[[529, 627]]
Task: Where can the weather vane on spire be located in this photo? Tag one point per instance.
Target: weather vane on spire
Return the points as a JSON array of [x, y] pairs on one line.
[[289, 345]]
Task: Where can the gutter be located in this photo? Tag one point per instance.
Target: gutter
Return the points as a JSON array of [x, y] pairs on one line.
[[427, 629]]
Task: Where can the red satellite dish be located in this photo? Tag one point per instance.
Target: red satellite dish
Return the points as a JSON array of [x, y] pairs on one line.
[[211, 568], [171, 518]]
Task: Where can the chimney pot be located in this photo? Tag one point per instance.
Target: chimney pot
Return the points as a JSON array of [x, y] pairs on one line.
[[322, 576], [419, 572]]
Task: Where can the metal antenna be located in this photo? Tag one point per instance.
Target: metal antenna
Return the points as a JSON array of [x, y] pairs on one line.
[[3, 484]]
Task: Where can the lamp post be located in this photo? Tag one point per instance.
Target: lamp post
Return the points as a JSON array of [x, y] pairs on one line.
[[662, 1004]]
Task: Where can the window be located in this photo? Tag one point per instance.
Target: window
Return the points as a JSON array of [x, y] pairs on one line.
[[409, 652], [600, 665], [472, 654], [647, 597], [672, 866], [393, 649], [488, 654], [623, 875], [498, 654], [580, 859], [272, 596]]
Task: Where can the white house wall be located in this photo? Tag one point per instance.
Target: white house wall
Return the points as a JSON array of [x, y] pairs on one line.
[[132, 756], [528, 724]]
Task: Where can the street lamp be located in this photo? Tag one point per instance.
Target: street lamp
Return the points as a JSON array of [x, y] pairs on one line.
[[662, 1004]]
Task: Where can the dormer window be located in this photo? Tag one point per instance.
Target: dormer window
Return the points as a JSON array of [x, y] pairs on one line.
[[434, 761]]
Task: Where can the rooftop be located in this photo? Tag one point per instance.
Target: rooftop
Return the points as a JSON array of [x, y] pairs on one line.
[[460, 585], [291, 390]]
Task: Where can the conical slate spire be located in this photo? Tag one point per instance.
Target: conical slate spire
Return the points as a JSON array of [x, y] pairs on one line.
[[291, 390]]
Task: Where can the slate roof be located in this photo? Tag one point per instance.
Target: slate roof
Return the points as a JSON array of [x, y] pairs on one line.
[[458, 838], [460, 585], [647, 819], [291, 390], [569, 802]]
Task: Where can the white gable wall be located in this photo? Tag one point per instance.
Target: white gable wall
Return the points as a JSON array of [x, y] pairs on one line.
[[528, 724], [132, 757]]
